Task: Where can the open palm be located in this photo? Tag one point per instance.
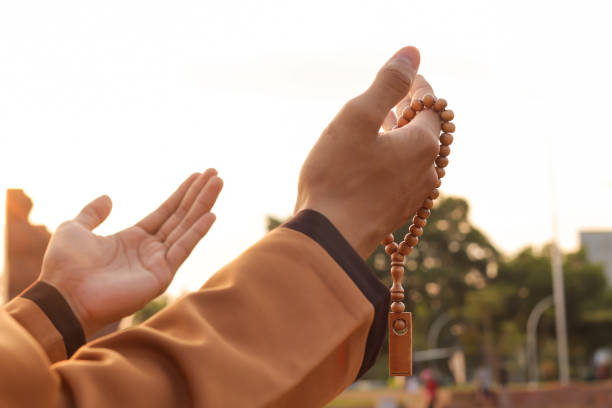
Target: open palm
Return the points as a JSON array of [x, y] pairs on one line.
[[105, 278]]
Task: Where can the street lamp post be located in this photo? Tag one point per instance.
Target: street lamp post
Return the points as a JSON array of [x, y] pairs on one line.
[[532, 340], [557, 275], [560, 316], [436, 327]]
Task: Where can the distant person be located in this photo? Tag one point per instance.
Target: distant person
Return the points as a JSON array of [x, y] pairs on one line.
[[484, 385], [503, 398], [431, 387], [602, 372], [602, 358], [411, 385], [291, 322]]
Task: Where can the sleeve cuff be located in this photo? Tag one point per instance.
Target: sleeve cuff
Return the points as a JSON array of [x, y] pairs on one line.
[[59, 313], [316, 226]]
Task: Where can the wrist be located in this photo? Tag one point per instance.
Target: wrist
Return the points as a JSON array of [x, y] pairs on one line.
[[54, 305], [360, 236], [75, 306]]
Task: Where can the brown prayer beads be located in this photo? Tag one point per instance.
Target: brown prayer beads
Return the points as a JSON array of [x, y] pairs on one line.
[[404, 248]]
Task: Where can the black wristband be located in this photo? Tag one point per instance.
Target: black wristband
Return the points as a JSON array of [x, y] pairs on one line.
[[53, 304]]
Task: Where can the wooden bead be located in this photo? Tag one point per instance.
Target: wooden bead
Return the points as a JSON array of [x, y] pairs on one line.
[[446, 139], [397, 307], [448, 127], [424, 213], [439, 105], [419, 222], [444, 150], [411, 240], [435, 193], [387, 240], [399, 325], [404, 249], [441, 161], [408, 114], [397, 291], [428, 100], [391, 248], [441, 172], [397, 285], [428, 203], [416, 231], [401, 122], [417, 105], [397, 272], [439, 183], [397, 257], [397, 296], [447, 115]]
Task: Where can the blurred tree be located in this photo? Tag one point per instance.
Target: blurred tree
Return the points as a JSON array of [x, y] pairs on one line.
[[588, 300], [453, 259]]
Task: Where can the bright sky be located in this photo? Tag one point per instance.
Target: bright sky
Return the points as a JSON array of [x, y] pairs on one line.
[[128, 98]]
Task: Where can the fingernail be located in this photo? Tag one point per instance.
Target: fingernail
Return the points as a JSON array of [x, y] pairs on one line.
[[409, 53]]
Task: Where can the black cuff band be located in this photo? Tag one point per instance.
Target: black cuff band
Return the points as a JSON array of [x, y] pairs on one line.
[[53, 304], [316, 226]]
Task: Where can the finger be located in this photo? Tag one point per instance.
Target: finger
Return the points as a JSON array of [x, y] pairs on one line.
[[183, 208], [392, 83], [418, 138], [95, 212], [390, 121], [421, 135], [428, 118], [156, 219], [202, 204], [419, 89], [426, 125], [423, 131], [180, 250]]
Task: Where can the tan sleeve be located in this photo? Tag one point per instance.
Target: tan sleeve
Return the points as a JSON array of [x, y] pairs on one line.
[[35, 321], [25, 378], [284, 325]]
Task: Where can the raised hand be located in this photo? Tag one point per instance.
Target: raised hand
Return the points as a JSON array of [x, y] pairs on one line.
[[369, 183], [105, 278]]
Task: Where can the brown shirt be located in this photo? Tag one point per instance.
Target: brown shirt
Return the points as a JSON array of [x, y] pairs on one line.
[[291, 322]]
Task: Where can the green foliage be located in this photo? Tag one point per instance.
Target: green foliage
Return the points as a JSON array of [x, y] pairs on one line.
[[150, 309], [273, 222], [586, 294]]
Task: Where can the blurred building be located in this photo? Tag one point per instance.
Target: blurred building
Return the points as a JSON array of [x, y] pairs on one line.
[[598, 246], [25, 244]]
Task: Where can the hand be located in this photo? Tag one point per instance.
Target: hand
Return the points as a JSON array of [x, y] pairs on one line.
[[369, 183], [106, 278]]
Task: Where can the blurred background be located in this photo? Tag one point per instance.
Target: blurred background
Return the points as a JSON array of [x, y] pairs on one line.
[[128, 98]]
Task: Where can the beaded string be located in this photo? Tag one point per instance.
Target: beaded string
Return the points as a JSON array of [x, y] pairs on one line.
[[397, 252]]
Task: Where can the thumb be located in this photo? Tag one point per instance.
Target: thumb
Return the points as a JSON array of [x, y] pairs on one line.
[[95, 212], [392, 83]]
